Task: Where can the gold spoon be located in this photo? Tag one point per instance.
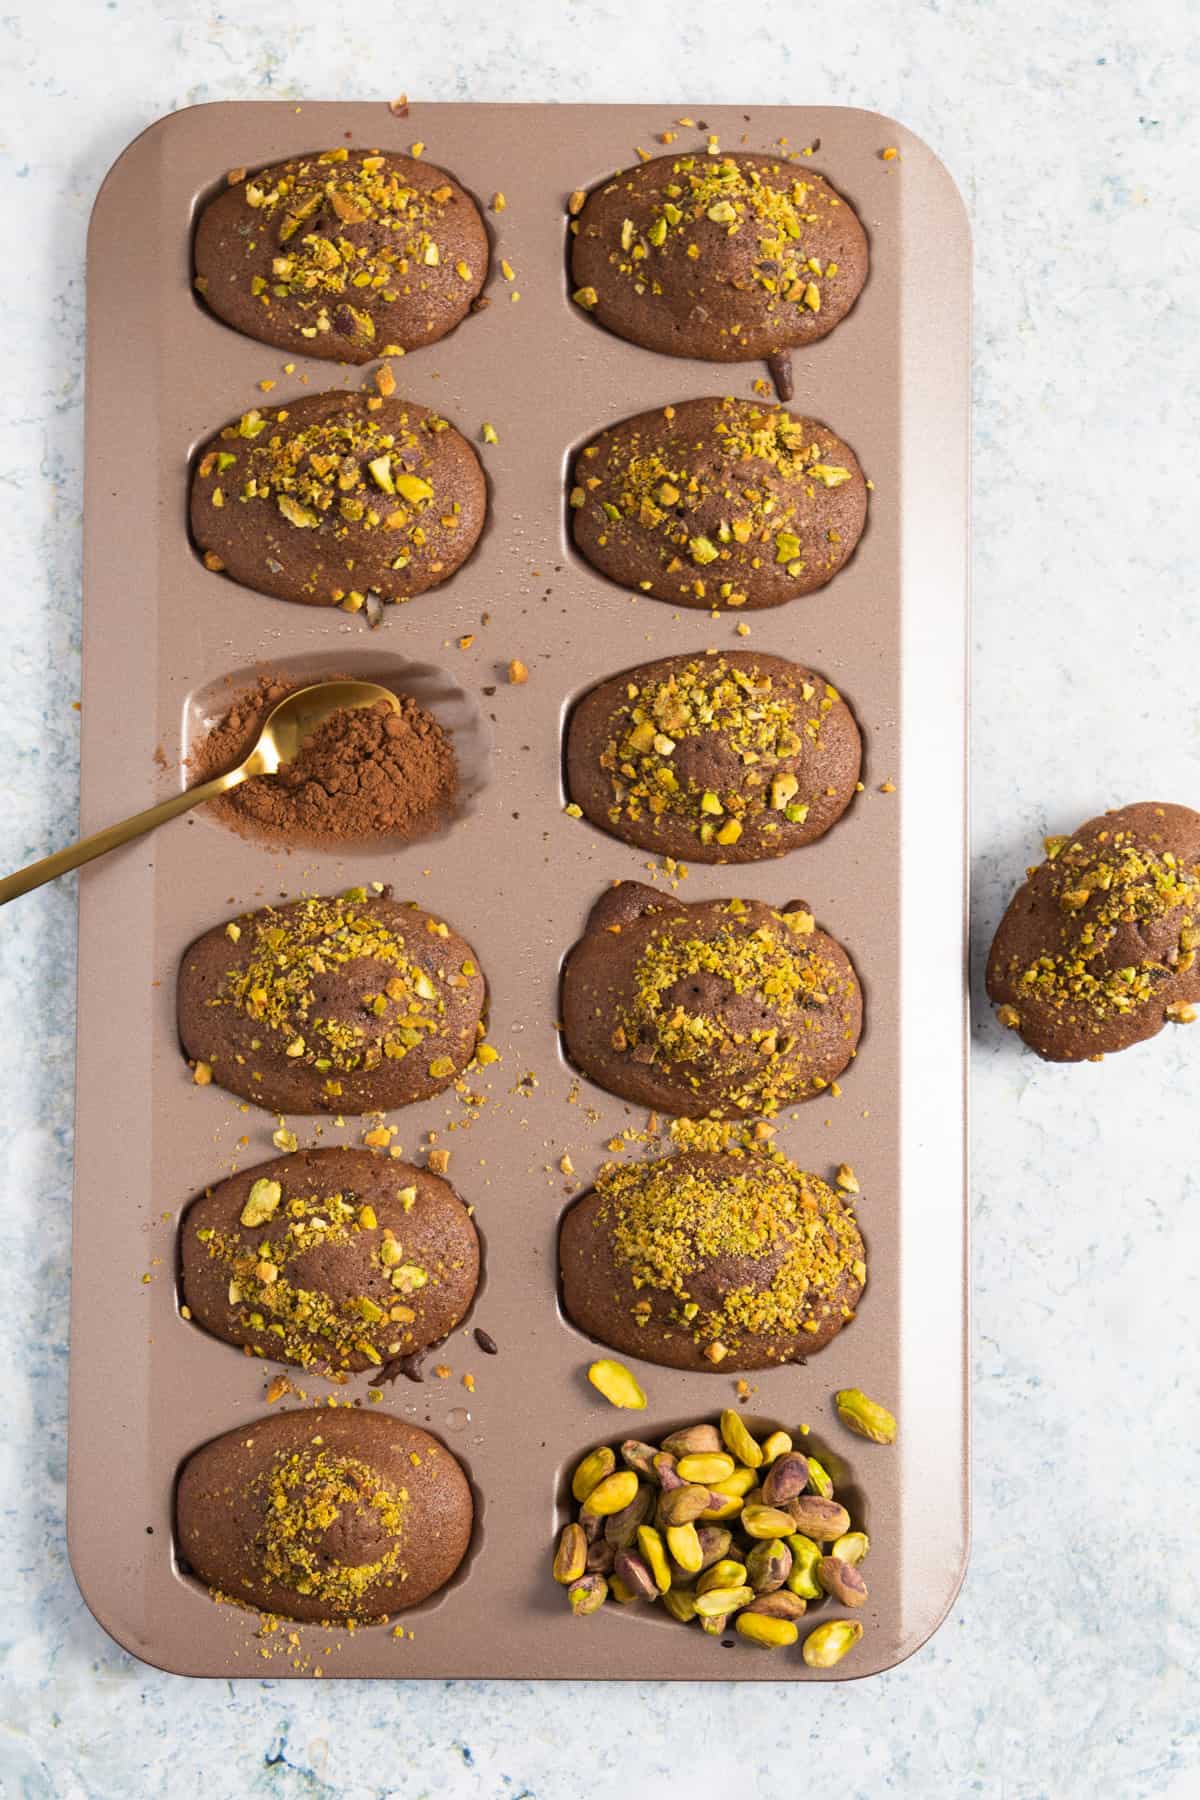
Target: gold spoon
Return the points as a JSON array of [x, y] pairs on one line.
[[283, 732]]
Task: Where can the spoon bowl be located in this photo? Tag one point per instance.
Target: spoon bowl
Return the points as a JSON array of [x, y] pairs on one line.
[[284, 730], [298, 715]]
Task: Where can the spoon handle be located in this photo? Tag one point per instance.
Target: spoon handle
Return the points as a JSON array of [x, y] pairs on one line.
[[100, 842]]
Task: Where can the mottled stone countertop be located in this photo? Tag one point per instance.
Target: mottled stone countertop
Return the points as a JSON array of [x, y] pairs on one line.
[[1069, 1663]]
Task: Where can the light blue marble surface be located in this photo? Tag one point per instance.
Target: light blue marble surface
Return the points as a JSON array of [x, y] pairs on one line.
[[1069, 1665]]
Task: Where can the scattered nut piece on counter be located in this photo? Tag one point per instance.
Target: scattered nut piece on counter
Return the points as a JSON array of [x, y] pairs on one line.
[[721, 1526]]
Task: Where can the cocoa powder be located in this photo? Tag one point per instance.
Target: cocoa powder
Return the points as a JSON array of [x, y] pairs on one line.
[[365, 773]]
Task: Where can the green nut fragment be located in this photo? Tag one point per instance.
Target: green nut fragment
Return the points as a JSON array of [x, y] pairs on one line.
[[805, 1556], [864, 1416], [829, 1643], [852, 1548], [295, 514], [771, 1634], [261, 1203], [570, 1559], [591, 1471], [587, 1595], [745, 1448]]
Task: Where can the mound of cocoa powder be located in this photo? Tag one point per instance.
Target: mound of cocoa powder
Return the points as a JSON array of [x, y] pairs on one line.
[[365, 773]]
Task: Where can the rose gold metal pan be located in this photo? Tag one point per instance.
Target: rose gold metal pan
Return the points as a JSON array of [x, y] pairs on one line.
[[164, 641]]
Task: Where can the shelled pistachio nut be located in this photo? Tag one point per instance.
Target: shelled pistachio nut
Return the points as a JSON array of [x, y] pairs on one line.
[[570, 1558], [803, 1579], [768, 1565], [620, 1528], [681, 1604], [786, 1478], [611, 1494], [664, 1471], [721, 1506], [587, 1595], [820, 1519], [842, 1580], [636, 1574], [639, 1457], [693, 1440], [776, 1445], [600, 1557], [714, 1543], [614, 1381], [852, 1548], [721, 1602], [684, 1546], [767, 1522], [592, 1470], [771, 1634], [724, 1574], [781, 1605], [654, 1553], [705, 1466], [679, 1506], [739, 1484], [829, 1643], [864, 1416], [819, 1479], [744, 1447]]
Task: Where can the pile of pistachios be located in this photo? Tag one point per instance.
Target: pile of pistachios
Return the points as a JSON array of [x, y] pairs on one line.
[[718, 1527]]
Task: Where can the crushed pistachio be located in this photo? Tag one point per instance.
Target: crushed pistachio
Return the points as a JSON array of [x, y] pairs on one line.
[[310, 1499], [770, 737], [1110, 892], [732, 487], [292, 947], [793, 1239], [271, 1277], [694, 999]]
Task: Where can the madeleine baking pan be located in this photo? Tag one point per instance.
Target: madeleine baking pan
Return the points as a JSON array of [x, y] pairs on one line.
[[165, 639]]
